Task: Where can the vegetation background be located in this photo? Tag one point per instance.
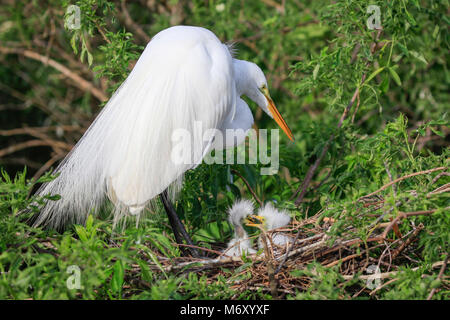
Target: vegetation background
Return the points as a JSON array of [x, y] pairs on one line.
[[368, 108]]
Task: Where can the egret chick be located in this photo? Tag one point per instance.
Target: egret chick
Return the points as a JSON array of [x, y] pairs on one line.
[[240, 243], [273, 219]]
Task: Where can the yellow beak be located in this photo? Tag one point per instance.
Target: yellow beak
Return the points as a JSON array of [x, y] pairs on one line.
[[254, 220], [277, 116]]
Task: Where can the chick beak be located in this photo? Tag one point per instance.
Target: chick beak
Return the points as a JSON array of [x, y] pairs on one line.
[[277, 116], [254, 220]]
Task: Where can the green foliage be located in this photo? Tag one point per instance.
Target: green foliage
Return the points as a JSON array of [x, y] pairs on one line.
[[327, 283]]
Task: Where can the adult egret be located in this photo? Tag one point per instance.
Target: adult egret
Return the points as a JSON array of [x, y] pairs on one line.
[[185, 76], [271, 219], [240, 243]]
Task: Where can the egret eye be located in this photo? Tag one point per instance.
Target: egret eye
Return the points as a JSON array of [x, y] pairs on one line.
[[264, 90]]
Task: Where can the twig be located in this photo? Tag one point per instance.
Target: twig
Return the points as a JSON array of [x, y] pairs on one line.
[[304, 249], [81, 83], [408, 241], [356, 109], [248, 186], [53, 113], [439, 176], [394, 187], [439, 277], [389, 274], [382, 286], [270, 269], [24, 145], [403, 215], [29, 130], [441, 189], [350, 257], [40, 134], [44, 168], [401, 179], [200, 248], [129, 22], [259, 287]]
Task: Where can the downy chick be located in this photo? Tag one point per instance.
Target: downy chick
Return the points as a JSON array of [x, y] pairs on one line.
[[240, 242]]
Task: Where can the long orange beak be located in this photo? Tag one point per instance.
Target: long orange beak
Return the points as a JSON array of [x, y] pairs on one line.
[[277, 116]]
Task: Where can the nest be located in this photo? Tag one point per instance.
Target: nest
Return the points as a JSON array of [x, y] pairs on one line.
[[354, 258]]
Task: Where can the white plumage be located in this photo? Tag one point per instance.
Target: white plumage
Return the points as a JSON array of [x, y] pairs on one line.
[[184, 76], [274, 219], [240, 242]]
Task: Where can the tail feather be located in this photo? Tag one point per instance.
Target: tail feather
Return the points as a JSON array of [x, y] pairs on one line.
[[80, 184]]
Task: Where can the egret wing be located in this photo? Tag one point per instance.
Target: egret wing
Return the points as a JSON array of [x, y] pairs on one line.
[[181, 86]]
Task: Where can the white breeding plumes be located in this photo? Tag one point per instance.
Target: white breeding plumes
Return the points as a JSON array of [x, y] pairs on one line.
[[274, 219], [184, 76], [240, 242]]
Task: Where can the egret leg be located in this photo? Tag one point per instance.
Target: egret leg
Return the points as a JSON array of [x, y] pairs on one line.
[[177, 226]]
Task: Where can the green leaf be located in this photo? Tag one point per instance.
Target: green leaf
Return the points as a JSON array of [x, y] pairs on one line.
[[118, 277], [384, 87], [418, 56], [395, 77], [73, 43], [437, 132], [374, 74], [89, 223], [435, 31], [316, 71], [81, 232], [403, 48], [90, 58]]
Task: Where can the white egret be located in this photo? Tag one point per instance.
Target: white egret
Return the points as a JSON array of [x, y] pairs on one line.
[[184, 76], [240, 243]]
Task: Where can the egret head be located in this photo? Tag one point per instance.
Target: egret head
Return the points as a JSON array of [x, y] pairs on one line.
[[273, 217], [251, 81], [237, 214], [269, 218]]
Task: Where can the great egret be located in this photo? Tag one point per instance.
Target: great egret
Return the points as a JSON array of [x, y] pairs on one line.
[[271, 219], [240, 242], [184, 76]]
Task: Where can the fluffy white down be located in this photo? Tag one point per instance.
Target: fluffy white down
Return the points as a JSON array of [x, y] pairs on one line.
[[274, 219], [240, 242], [236, 247], [240, 210]]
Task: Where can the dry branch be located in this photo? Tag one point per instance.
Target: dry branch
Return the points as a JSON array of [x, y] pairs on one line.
[[81, 83], [439, 277], [248, 186], [28, 144], [388, 274], [403, 215], [129, 22], [401, 179]]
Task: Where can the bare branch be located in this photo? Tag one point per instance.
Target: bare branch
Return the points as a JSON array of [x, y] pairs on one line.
[[81, 83]]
